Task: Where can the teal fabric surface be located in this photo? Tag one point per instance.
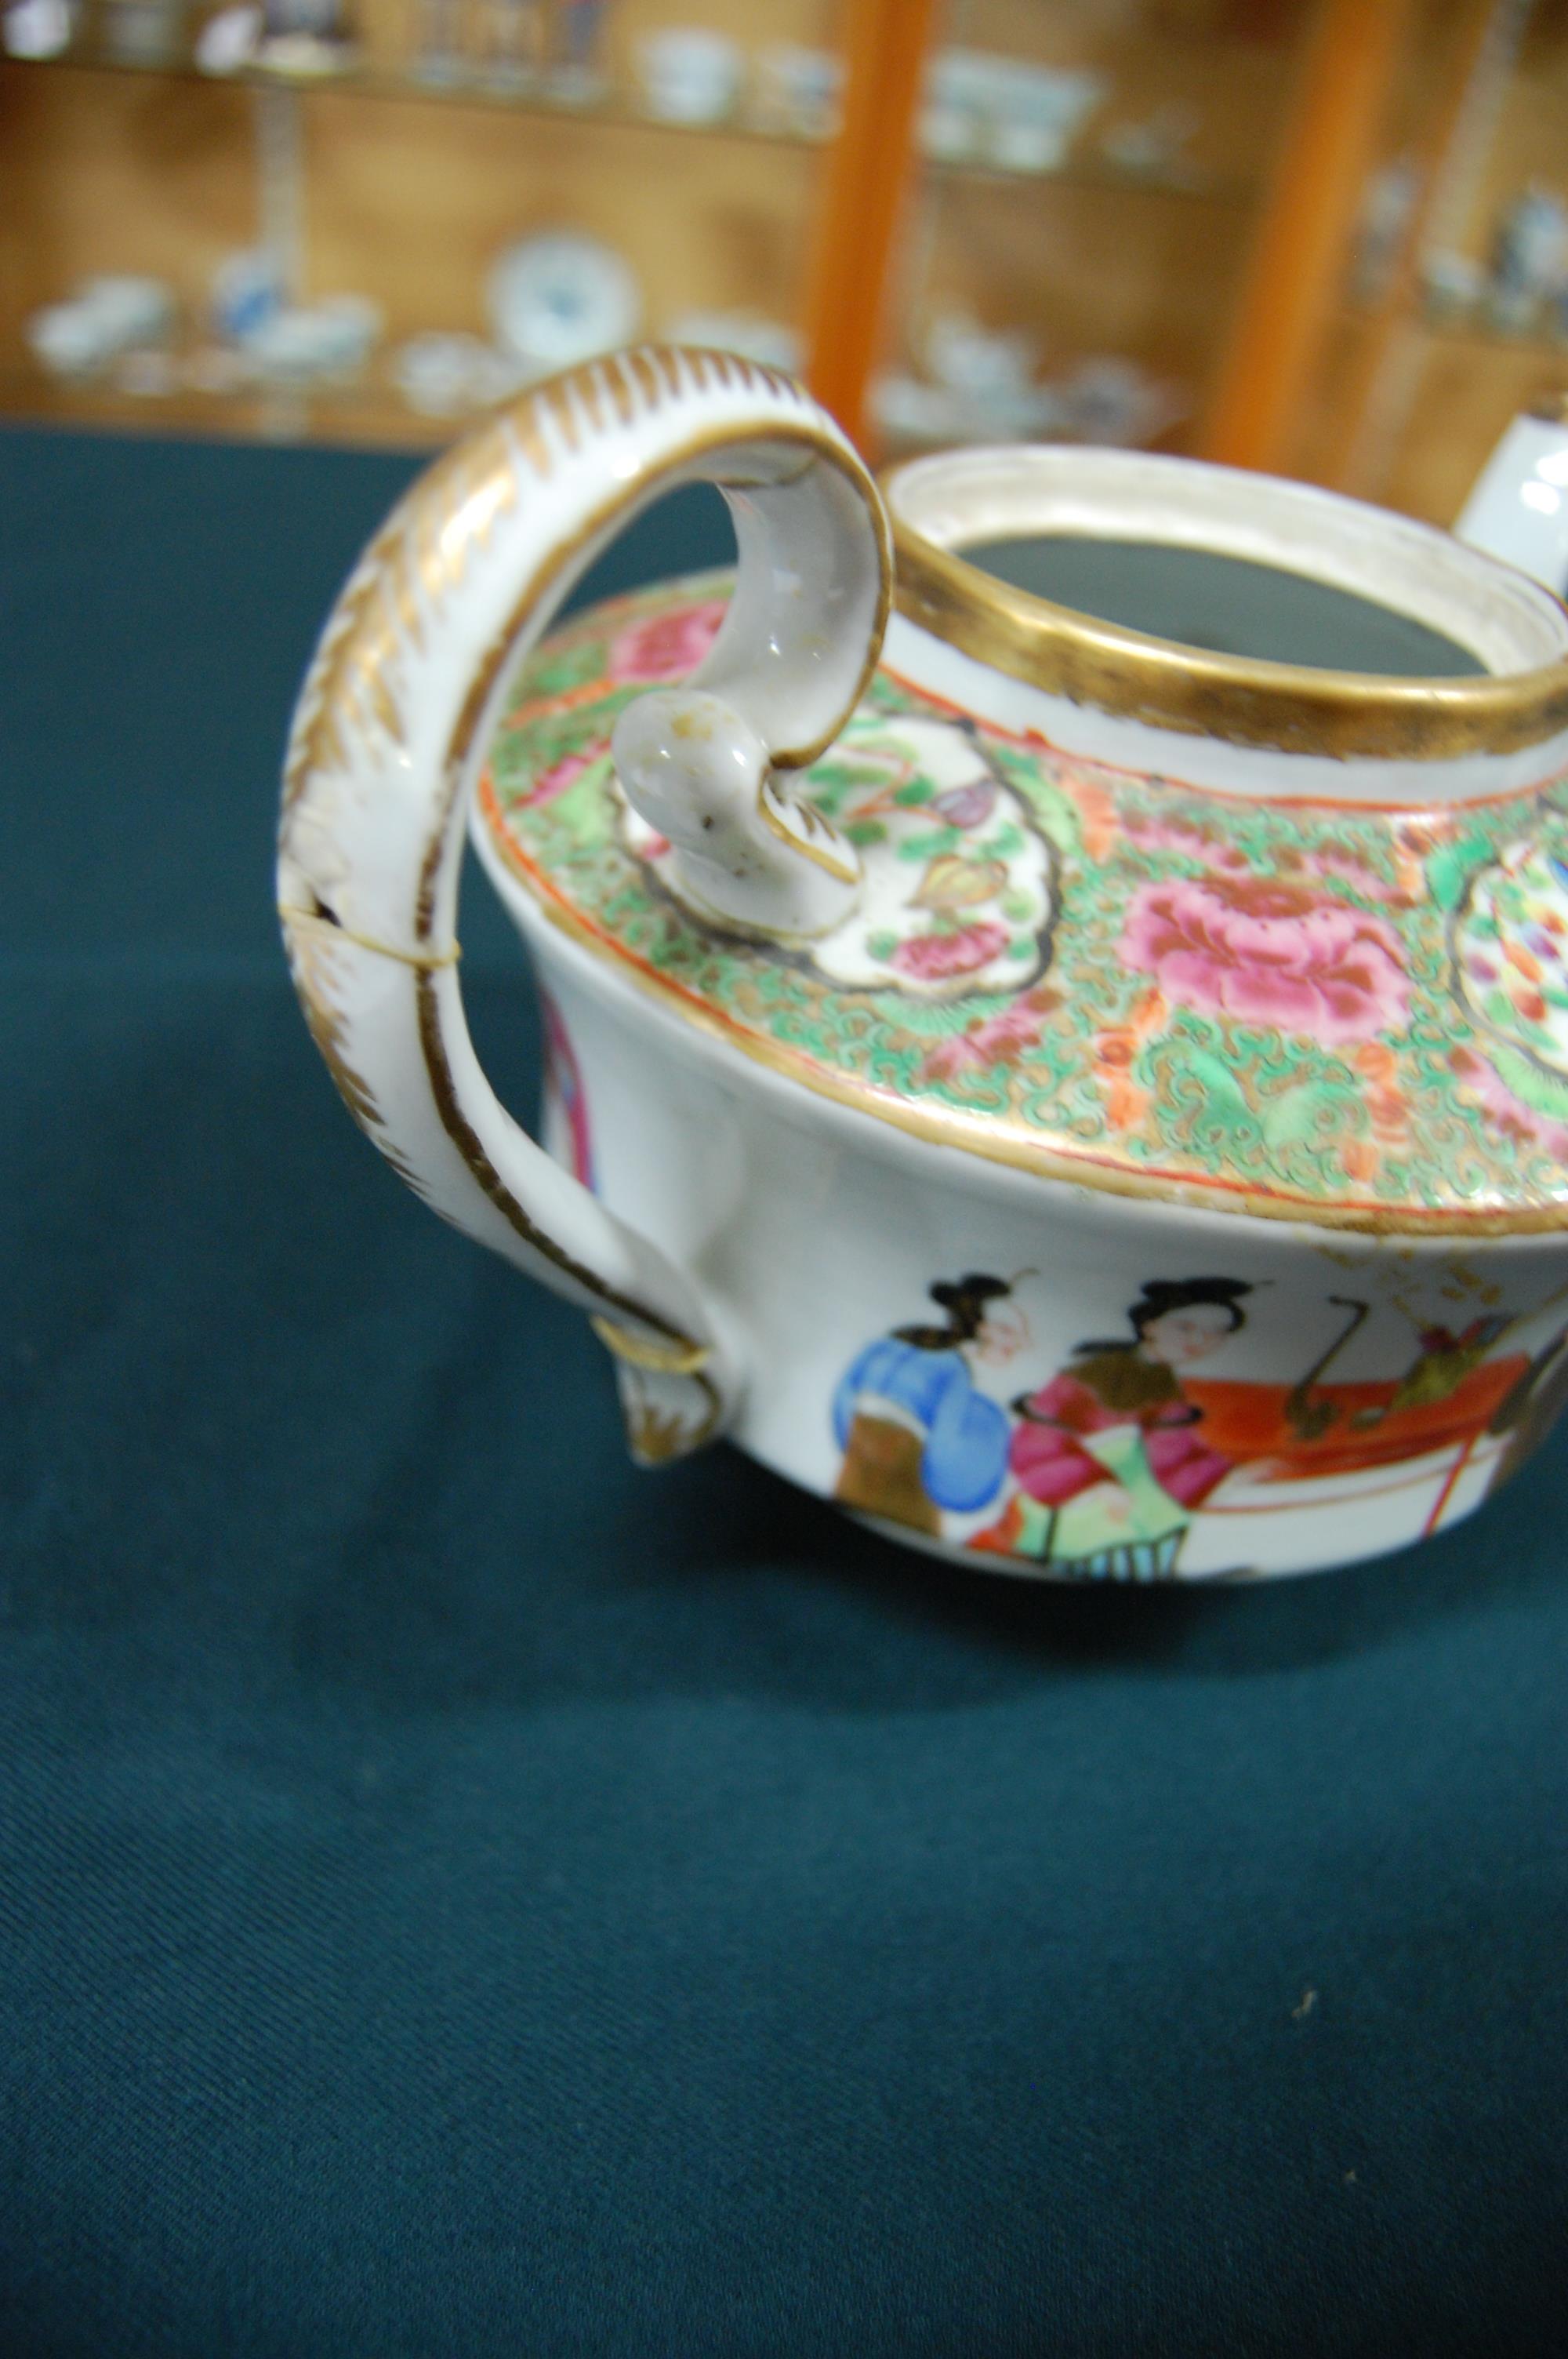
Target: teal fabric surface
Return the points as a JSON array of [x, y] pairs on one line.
[[461, 1895]]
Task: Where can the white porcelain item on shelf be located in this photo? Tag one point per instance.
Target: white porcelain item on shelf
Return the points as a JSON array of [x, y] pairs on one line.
[[561, 297], [968, 358], [982, 389], [305, 38], [1080, 1091], [441, 375], [1519, 508], [1036, 113], [139, 310], [249, 288], [690, 75], [67, 340], [229, 40], [1453, 284], [105, 317], [302, 342], [1530, 260], [1017, 117], [1112, 400], [1388, 205], [39, 29], [304, 57], [954, 110], [798, 89]]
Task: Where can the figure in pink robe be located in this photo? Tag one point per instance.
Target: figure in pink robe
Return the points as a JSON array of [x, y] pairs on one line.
[[1174, 1324]]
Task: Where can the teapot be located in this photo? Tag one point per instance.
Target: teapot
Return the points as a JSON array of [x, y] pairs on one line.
[[1054, 976]]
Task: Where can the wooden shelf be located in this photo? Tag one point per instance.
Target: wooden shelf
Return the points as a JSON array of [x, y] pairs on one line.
[[1456, 330], [368, 412], [619, 110], [1459, 327], [615, 109], [409, 188], [1091, 171]]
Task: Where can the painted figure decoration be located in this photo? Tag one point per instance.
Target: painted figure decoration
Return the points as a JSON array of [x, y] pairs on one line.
[[1099, 1465], [1107, 1455], [1103, 1468], [1084, 1092], [918, 1438]]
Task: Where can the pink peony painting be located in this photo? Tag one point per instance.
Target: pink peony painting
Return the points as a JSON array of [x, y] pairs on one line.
[[1502, 1108], [668, 645], [1262, 950], [929, 958], [552, 783], [995, 1040]]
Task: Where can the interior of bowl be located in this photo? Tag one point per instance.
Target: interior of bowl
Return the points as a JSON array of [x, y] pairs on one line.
[[1222, 561]]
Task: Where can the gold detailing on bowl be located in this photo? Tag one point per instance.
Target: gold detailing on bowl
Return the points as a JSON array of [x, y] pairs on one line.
[[355, 686], [656, 1434], [423, 551], [355, 716], [1287, 708], [660, 1359], [314, 948], [422, 962], [466, 1140], [309, 950], [812, 823]]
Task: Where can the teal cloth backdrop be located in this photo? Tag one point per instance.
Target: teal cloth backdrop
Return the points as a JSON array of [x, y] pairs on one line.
[[461, 1896]]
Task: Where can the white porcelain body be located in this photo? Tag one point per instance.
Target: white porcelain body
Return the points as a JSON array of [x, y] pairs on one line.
[[745, 1239], [811, 1229]]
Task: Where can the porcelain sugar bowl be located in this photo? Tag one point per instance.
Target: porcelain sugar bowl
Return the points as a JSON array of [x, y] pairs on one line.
[[1077, 1073]]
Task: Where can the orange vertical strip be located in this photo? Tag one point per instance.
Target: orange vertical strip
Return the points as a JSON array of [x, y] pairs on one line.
[[1293, 273], [1391, 341], [865, 179]]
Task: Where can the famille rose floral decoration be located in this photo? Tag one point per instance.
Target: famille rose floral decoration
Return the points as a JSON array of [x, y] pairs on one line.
[[1266, 951], [1511, 972], [1340, 1006], [1086, 1104]]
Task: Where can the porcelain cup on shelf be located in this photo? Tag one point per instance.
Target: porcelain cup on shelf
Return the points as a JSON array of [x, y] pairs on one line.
[[690, 75]]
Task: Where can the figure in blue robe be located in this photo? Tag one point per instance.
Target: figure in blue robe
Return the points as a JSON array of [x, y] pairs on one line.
[[918, 1439]]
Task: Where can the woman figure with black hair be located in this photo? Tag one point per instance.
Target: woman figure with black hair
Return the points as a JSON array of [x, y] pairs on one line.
[[917, 1438], [1107, 1454]]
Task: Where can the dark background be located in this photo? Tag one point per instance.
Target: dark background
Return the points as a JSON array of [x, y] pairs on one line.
[[458, 1895]]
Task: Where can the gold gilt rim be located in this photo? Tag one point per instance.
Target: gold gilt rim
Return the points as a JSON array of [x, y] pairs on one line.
[[1287, 708], [975, 1135], [684, 1355], [450, 508]]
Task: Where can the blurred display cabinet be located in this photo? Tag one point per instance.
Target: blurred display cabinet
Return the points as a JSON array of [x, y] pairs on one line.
[[1328, 236], [276, 215], [1092, 174], [364, 227], [1451, 315]]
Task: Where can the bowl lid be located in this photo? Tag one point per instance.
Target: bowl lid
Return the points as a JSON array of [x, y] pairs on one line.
[[1347, 1016]]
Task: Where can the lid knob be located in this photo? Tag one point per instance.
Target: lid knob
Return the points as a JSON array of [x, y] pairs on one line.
[[744, 851]]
